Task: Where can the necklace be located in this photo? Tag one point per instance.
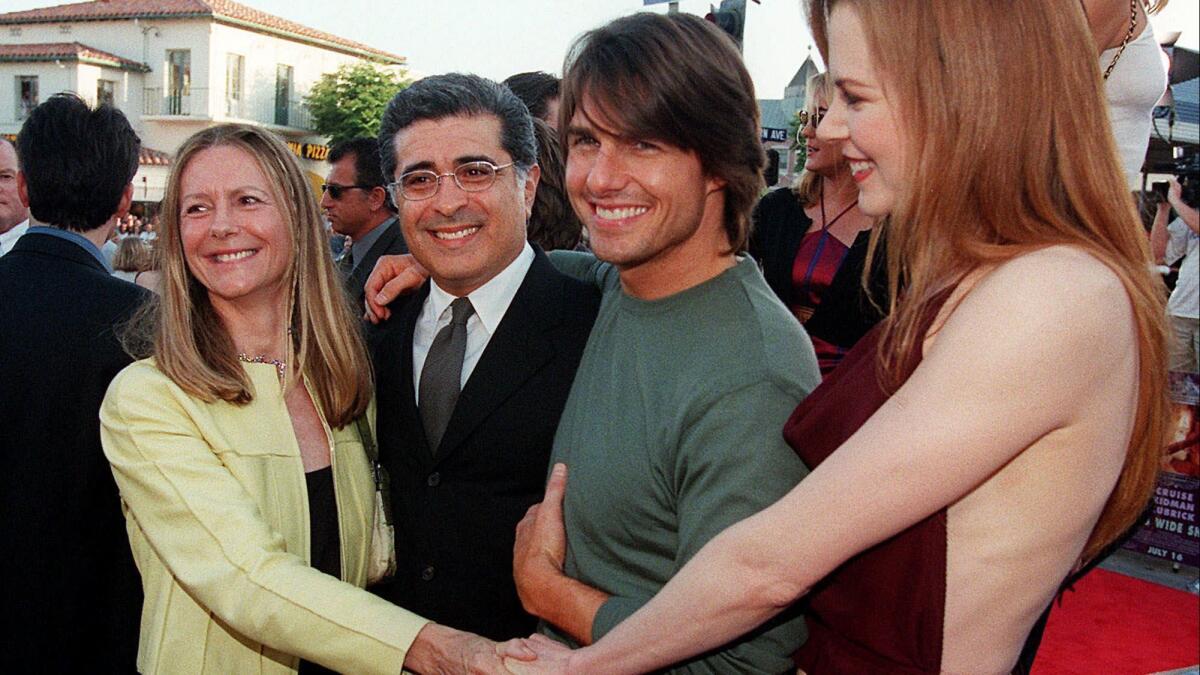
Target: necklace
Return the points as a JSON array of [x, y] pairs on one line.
[[279, 365], [826, 224]]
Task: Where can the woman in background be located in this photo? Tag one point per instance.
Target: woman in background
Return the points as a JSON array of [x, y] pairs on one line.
[[812, 243]]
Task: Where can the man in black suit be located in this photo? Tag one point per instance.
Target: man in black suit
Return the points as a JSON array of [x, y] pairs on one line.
[[474, 369], [72, 597], [355, 201]]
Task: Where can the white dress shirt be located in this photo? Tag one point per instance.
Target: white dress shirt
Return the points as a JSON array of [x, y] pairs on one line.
[[490, 301], [8, 239]]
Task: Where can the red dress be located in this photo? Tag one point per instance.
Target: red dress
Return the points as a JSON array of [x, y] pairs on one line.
[[882, 610], [816, 263]]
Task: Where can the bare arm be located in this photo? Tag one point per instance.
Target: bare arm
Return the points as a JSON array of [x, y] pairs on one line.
[[934, 441], [1159, 237]]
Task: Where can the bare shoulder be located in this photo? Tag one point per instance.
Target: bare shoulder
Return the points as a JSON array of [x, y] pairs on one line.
[[1053, 281], [1060, 302]]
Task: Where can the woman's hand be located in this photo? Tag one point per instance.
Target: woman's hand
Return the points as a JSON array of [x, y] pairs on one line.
[[552, 657], [393, 275], [441, 650]]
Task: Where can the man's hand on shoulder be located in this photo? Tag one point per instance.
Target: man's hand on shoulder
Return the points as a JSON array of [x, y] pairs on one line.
[[392, 276]]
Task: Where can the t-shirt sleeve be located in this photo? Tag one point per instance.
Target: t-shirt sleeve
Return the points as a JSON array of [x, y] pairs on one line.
[[1177, 244], [585, 267], [731, 462]]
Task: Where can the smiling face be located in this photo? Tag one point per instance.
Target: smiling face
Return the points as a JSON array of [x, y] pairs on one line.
[[822, 157], [463, 238], [12, 211], [863, 118], [236, 240], [643, 201]]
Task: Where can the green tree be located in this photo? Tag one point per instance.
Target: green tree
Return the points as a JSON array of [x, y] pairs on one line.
[[350, 101]]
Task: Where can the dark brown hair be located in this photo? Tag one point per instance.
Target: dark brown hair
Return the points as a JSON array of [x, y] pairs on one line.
[[676, 79], [553, 223]]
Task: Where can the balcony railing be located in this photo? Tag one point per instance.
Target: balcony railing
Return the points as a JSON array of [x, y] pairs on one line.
[[193, 102], [190, 102]]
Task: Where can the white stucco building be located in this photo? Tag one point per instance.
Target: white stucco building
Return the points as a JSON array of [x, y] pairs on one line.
[[173, 67]]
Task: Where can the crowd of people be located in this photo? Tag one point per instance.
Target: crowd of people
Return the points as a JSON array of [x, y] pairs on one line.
[[613, 408]]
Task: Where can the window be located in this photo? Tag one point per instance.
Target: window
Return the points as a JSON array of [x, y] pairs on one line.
[[283, 94], [179, 81], [27, 95], [233, 84], [105, 90]]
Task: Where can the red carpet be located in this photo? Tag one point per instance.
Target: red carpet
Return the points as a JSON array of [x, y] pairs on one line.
[[1112, 623]]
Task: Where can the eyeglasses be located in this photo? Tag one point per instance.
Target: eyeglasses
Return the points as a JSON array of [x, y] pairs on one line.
[[336, 191], [423, 184]]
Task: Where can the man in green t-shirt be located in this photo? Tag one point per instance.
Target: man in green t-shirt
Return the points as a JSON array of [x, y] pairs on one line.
[[673, 428], [672, 431]]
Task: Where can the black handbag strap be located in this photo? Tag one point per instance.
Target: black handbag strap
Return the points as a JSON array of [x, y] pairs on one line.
[[367, 438]]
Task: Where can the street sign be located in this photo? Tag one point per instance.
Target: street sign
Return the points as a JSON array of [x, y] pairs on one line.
[[774, 135]]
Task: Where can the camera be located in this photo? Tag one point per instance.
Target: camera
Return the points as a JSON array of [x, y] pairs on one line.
[[1185, 168]]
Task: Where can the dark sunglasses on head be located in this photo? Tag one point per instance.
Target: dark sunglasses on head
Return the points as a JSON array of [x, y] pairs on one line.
[[336, 191]]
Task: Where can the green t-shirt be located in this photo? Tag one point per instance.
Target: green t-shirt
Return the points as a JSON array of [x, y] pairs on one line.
[[674, 431]]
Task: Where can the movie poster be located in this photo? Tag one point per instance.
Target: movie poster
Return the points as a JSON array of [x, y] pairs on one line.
[[1172, 531]]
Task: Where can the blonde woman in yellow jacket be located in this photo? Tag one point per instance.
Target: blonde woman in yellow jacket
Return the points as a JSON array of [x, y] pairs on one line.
[[228, 441]]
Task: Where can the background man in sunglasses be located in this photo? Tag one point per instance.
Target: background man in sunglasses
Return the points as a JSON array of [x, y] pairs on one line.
[[473, 370], [354, 199]]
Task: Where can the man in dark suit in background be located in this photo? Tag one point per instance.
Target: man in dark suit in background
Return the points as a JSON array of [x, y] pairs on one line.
[[72, 597], [474, 369], [355, 202]]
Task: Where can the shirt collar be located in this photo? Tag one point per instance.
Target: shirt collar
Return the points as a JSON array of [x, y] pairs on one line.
[[492, 299], [73, 237], [360, 248], [7, 239]]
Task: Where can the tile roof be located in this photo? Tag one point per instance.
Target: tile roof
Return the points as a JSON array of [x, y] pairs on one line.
[[225, 11], [68, 51]]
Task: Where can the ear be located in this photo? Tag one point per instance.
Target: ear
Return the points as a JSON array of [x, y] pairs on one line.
[[377, 199], [22, 189], [531, 183], [125, 203], [714, 184]]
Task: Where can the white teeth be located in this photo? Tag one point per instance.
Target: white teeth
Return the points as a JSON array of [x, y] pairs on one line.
[[227, 257], [619, 214], [856, 167], [457, 234]]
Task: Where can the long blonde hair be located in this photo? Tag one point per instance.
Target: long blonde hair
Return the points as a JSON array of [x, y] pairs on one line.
[[808, 186], [1005, 102], [190, 343]]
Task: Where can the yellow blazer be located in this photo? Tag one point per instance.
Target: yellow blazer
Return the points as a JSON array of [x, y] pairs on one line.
[[216, 509]]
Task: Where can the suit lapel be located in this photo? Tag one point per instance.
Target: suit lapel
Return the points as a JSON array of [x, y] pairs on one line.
[[358, 276], [517, 351], [394, 354]]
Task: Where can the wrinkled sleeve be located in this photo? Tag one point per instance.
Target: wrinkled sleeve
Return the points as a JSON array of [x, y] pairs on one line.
[[585, 267], [211, 537]]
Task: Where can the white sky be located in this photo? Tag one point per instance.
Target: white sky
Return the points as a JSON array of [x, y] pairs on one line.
[[497, 38]]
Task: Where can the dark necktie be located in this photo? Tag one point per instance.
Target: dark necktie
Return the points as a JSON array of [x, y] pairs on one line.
[[345, 263], [441, 378]]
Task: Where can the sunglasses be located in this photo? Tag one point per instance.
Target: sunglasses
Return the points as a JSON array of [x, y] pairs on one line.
[[336, 191], [805, 117]]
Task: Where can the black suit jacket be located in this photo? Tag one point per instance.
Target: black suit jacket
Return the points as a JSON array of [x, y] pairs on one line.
[[72, 597], [391, 242], [456, 512]]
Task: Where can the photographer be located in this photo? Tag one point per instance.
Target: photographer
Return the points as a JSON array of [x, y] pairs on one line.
[[1169, 243]]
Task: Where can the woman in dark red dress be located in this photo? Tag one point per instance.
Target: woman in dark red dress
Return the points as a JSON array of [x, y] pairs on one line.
[[1004, 423]]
